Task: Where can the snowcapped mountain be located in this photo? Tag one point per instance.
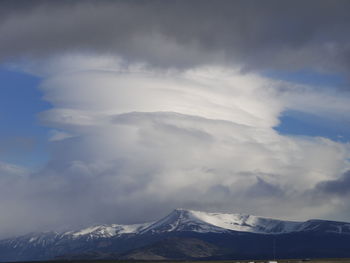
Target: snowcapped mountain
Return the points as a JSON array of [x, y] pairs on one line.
[[204, 222], [201, 227], [197, 221]]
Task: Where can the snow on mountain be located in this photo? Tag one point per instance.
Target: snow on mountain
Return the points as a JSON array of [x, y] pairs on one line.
[[117, 238], [104, 231], [197, 221], [204, 222], [325, 226], [182, 220], [186, 220]]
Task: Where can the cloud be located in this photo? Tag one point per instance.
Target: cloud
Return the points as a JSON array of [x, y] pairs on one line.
[[339, 186], [148, 140], [8, 170], [56, 135], [183, 34], [122, 92]]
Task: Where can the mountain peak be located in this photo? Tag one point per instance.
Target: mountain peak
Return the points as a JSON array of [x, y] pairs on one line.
[[181, 219], [181, 211]]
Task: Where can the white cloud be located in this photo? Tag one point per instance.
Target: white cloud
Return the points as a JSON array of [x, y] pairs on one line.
[[8, 170], [56, 135]]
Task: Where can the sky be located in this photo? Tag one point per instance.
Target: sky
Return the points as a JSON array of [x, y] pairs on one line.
[[121, 111]]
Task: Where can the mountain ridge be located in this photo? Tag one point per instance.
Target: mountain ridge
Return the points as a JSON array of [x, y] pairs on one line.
[[218, 232], [192, 220]]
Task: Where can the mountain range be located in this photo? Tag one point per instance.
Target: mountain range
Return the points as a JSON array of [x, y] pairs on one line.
[[187, 234]]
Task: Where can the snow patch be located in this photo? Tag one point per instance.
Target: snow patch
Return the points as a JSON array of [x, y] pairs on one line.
[[107, 230]]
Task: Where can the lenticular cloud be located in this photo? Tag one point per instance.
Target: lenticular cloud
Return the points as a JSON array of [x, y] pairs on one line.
[[129, 143], [147, 135]]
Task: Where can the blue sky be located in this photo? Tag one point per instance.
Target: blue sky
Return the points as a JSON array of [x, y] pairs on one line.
[[23, 140], [305, 124], [294, 122]]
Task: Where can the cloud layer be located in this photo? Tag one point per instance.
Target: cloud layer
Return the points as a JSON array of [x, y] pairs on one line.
[[274, 35]]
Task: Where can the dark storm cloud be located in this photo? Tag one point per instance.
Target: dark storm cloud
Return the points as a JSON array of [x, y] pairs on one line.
[[264, 189], [253, 34], [339, 186]]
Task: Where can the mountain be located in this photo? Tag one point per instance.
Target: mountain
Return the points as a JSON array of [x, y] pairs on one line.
[[187, 234], [203, 222], [174, 248]]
